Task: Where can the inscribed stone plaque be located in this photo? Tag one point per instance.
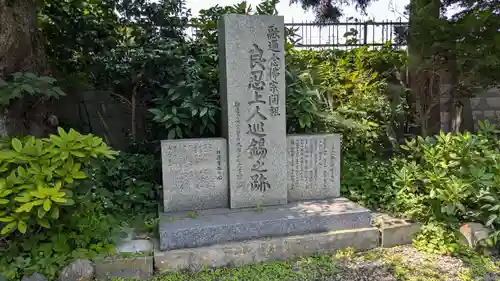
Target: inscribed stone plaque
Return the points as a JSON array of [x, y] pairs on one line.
[[313, 166], [194, 174], [253, 108]]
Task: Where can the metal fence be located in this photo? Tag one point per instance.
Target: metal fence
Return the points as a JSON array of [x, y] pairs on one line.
[[313, 35], [349, 34]]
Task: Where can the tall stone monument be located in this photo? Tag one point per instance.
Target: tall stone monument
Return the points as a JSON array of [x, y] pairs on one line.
[[296, 194], [252, 83]]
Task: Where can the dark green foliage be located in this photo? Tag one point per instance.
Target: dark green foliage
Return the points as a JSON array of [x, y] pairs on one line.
[[330, 10], [450, 179], [22, 84], [118, 193], [189, 106], [127, 184], [344, 92], [368, 182], [46, 221], [86, 232]]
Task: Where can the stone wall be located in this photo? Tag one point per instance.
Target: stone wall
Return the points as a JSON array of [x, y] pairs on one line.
[[486, 106], [103, 114]]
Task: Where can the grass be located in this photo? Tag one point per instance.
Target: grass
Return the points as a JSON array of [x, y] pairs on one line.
[[328, 267], [311, 268]]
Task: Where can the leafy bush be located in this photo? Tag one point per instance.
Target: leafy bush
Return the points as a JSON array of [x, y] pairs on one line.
[[368, 182], [125, 186], [86, 232], [335, 91], [450, 179], [39, 181], [22, 83], [37, 175], [188, 106]]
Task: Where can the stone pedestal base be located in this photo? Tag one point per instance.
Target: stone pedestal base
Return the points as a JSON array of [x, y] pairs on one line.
[[267, 249], [219, 226]]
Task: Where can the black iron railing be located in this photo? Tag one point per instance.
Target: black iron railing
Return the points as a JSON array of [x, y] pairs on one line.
[[344, 34], [349, 34]]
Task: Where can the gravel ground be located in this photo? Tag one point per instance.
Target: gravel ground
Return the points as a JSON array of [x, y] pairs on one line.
[[395, 264], [405, 263]]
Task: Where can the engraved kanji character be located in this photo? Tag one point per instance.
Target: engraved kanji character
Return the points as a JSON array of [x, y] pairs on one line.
[[256, 57], [259, 167], [275, 61], [273, 36], [257, 148], [256, 82], [273, 87], [259, 182], [273, 32], [274, 45], [257, 98], [257, 113], [274, 99], [275, 111], [274, 74], [257, 129]]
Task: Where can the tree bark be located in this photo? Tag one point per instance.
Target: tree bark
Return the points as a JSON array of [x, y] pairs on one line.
[[22, 50], [424, 84]]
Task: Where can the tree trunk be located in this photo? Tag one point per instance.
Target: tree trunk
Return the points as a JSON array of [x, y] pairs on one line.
[[22, 50], [424, 84]]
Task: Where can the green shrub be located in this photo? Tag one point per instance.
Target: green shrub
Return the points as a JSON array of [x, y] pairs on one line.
[[367, 182], [37, 177], [450, 179], [85, 232], [334, 91], [125, 185], [189, 106], [46, 220]]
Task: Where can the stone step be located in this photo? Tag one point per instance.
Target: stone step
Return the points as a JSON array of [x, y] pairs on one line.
[[216, 226]]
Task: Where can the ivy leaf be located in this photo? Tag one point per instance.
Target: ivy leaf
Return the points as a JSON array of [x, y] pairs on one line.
[[491, 219], [78, 154], [7, 219], [28, 88], [8, 228], [17, 145], [47, 204], [54, 213], [43, 222], [22, 227], [41, 212]]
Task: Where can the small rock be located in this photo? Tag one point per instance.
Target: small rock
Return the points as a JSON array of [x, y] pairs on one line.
[[474, 232], [34, 277], [79, 270]]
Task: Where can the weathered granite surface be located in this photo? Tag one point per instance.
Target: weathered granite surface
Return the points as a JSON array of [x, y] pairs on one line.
[[208, 227], [268, 249], [395, 231], [138, 268], [194, 174], [252, 64], [313, 166]]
